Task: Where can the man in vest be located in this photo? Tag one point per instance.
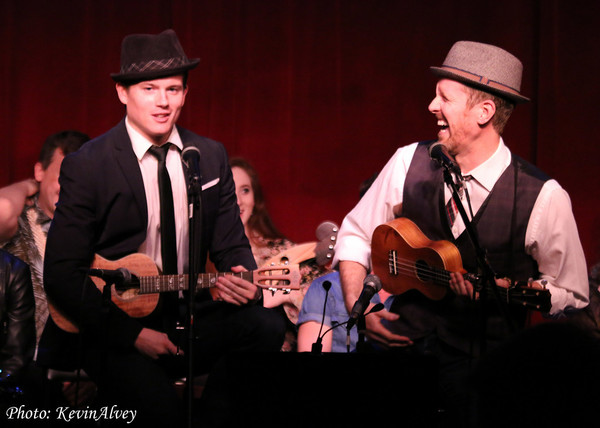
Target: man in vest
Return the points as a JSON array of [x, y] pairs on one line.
[[522, 221]]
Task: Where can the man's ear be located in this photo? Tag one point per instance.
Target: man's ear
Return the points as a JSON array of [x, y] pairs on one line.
[[38, 172], [122, 93], [487, 110]]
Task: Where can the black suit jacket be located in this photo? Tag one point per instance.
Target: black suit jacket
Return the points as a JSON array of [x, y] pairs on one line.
[[102, 209]]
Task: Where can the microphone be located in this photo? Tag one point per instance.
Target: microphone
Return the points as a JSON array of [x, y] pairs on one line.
[[371, 285], [191, 159], [439, 153], [317, 346], [119, 277], [378, 307]]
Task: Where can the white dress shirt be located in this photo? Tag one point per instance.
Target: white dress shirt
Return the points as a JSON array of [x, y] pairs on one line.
[[551, 238], [149, 167]]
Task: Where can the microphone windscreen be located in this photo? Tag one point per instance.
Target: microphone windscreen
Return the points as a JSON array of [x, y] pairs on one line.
[[372, 280], [436, 149], [190, 153]]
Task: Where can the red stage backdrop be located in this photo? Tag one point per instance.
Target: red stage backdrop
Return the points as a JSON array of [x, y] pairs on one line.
[[317, 94]]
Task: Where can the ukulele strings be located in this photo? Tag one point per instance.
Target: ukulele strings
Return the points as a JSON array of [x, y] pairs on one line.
[[410, 268]]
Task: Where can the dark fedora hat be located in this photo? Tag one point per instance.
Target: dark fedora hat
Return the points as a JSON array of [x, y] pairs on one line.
[[485, 67], [151, 56]]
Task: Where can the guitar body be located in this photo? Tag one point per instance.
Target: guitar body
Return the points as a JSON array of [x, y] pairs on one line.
[[296, 254], [135, 304], [403, 258], [130, 301]]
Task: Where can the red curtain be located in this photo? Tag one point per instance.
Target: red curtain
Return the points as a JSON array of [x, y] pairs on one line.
[[317, 94]]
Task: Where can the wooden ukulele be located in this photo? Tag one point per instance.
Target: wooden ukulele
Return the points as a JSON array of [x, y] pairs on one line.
[[405, 259], [140, 298], [314, 258]]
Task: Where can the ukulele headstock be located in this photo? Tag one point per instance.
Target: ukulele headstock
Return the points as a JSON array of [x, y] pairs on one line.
[[326, 236], [283, 277], [532, 298]]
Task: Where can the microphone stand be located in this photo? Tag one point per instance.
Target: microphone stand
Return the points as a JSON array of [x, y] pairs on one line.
[[361, 326], [317, 347], [195, 235], [488, 274]]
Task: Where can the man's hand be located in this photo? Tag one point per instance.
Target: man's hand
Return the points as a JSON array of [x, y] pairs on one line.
[[352, 275], [13, 198], [460, 286], [377, 332], [235, 290], [154, 343], [465, 288]]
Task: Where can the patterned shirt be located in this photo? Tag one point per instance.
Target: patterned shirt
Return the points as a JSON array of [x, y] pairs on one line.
[[28, 244]]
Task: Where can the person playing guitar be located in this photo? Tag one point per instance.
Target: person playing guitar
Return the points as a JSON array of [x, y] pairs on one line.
[[126, 192], [522, 220]]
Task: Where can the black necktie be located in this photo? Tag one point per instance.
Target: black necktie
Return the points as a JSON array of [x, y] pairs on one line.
[[167, 213]]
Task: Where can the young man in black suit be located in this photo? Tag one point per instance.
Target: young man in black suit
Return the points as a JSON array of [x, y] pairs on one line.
[[110, 205]]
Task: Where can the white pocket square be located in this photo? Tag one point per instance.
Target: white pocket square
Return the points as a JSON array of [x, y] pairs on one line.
[[210, 183]]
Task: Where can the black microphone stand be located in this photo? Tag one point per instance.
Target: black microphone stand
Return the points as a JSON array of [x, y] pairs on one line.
[[195, 236], [376, 308], [317, 347], [487, 272], [361, 326]]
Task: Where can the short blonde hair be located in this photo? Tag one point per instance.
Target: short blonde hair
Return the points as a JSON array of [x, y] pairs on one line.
[[504, 108]]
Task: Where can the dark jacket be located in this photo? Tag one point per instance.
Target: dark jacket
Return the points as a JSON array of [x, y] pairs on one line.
[[102, 210], [17, 309]]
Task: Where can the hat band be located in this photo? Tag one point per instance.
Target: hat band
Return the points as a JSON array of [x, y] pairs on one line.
[[483, 80], [154, 65]]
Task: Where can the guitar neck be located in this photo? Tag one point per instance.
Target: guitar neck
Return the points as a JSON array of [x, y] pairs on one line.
[[164, 283], [433, 274], [442, 277]]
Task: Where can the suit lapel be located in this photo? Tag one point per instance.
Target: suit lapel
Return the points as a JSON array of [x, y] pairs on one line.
[[128, 163]]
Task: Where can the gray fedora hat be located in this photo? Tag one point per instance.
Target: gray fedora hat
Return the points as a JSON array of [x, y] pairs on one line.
[[151, 56], [485, 67]]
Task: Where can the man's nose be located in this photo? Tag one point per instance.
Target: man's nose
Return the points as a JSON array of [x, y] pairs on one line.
[[434, 105], [161, 98]]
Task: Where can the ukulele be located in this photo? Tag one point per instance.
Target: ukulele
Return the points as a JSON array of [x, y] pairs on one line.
[[405, 259], [140, 297], [314, 259]]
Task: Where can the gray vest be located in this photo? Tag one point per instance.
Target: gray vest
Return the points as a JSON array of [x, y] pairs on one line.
[[501, 223]]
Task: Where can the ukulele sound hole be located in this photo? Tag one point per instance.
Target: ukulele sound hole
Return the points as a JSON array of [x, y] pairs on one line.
[[422, 270]]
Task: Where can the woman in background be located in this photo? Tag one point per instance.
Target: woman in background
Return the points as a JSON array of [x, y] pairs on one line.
[[267, 242]]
